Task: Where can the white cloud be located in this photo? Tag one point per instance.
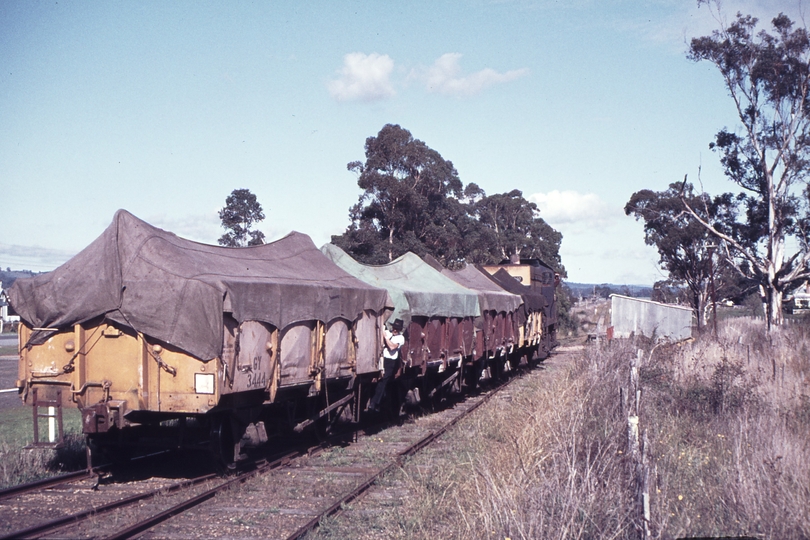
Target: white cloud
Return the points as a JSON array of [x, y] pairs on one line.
[[203, 228], [571, 207], [444, 77], [682, 21], [363, 77], [609, 248], [34, 258]]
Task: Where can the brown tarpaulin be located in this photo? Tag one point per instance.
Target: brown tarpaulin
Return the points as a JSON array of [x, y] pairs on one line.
[[532, 300], [176, 290]]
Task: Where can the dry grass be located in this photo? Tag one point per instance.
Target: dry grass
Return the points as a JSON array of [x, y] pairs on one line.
[[545, 462], [730, 431], [728, 424], [555, 467]]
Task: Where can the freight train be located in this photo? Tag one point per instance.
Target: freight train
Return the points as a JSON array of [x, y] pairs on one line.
[[165, 342]]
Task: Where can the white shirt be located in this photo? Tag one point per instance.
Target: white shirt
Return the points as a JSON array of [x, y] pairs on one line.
[[398, 340]]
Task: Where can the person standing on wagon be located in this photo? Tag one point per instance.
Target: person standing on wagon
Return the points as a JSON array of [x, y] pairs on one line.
[[392, 343]]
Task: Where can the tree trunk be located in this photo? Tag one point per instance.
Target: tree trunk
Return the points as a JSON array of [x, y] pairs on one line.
[[700, 309], [775, 317], [776, 251]]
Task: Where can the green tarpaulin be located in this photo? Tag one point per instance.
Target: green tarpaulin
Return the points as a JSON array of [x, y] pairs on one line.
[[415, 288]]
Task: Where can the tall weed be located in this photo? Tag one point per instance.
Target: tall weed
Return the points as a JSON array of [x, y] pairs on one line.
[[730, 433]]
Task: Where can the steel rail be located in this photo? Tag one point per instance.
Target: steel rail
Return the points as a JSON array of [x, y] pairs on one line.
[[75, 518], [397, 462], [74, 476], [156, 519], [45, 483]]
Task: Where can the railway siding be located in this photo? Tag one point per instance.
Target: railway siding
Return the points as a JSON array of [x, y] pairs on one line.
[[277, 504]]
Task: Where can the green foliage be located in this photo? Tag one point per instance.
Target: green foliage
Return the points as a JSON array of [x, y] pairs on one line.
[[413, 200], [686, 248], [565, 319], [767, 75], [409, 201], [240, 213], [510, 225], [19, 465]]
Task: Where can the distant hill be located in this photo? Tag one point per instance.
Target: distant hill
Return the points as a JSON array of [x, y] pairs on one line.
[[8, 277], [585, 290]]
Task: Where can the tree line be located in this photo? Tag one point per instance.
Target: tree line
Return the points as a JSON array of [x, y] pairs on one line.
[[755, 239], [413, 200]]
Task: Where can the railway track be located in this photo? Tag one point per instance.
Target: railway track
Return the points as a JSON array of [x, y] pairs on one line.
[[290, 501], [283, 497], [45, 483], [396, 462], [66, 506]]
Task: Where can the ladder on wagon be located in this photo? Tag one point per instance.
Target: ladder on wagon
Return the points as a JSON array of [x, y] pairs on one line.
[[53, 413]]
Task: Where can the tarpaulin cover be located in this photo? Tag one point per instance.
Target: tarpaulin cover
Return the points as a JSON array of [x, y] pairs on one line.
[[490, 295], [176, 290], [415, 287], [532, 300]]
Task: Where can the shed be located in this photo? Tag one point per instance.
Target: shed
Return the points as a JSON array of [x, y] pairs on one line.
[[637, 316]]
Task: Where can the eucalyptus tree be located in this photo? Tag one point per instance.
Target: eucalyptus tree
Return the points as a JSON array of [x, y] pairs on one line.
[[767, 75], [410, 201], [240, 213], [413, 200], [512, 226], [686, 248]]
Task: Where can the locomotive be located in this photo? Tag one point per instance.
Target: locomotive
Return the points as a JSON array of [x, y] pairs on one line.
[[164, 342]]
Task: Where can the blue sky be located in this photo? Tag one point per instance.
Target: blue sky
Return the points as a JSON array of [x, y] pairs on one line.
[[163, 108]]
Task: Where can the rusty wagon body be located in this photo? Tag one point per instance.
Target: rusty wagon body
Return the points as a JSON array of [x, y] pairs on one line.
[[438, 316]]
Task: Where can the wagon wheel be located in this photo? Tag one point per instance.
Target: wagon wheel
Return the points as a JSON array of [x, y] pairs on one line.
[[514, 358], [532, 359], [472, 374], [458, 384], [322, 427], [100, 451], [222, 444]]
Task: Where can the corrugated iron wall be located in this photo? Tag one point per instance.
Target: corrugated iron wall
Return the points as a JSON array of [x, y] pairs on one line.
[[644, 317]]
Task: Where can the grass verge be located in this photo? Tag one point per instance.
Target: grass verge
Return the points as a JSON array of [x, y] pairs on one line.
[[729, 423], [543, 461], [19, 464]]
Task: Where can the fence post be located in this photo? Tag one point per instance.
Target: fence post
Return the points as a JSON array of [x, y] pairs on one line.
[[645, 487], [638, 450]]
